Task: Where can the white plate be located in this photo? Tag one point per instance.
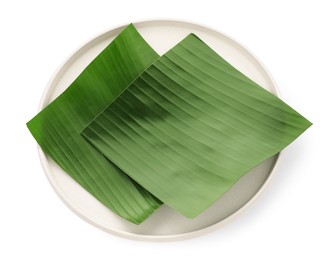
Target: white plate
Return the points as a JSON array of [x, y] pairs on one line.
[[164, 224]]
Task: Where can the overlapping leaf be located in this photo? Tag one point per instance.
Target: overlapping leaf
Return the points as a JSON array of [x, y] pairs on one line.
[[191, 125]]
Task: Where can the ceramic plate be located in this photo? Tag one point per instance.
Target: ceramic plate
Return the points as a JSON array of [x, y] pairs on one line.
[[164, 224]]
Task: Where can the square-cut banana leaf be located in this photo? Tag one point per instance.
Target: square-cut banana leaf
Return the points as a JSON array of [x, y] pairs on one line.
[[191, 125], [57, 127]]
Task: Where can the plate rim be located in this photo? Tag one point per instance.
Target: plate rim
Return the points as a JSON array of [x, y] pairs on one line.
[[155, 238]]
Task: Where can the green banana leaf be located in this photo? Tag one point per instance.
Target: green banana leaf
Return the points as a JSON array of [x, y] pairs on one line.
[[191, 125], [57, 127]]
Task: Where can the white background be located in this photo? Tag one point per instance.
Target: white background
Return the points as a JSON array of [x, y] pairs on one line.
[[291, 218]]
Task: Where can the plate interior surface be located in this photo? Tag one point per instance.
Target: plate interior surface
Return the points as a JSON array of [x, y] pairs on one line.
[[164, 224]]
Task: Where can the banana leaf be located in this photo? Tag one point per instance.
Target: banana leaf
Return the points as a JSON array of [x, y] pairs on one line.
[[57, 127], [191, 125]]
